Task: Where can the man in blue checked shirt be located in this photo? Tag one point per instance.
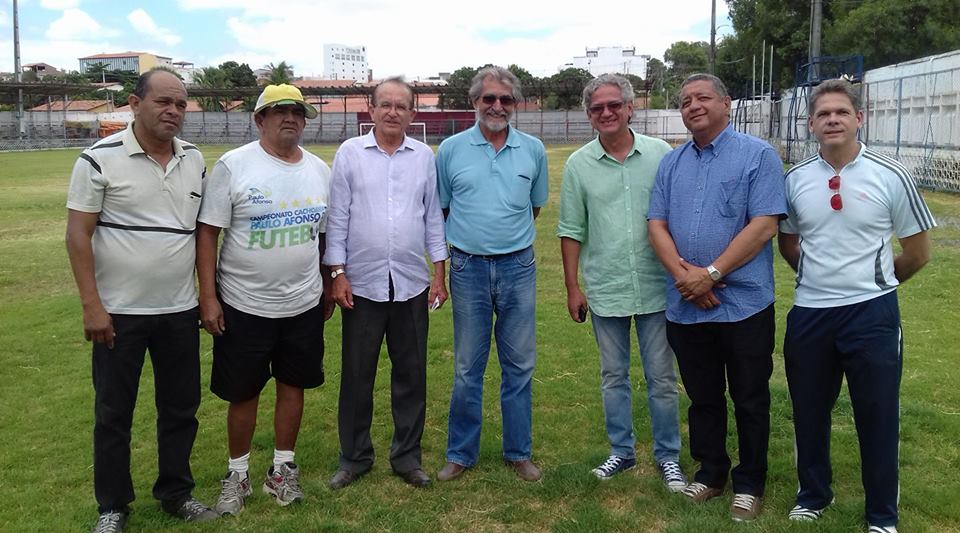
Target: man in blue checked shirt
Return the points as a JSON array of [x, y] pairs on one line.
[[714, 210], [384, 217]]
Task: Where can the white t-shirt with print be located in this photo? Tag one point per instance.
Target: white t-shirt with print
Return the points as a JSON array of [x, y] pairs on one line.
[[273, 212]]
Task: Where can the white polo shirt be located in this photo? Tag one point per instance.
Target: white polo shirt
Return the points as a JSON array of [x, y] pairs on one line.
[[846, 255], [273, 212], [143, 246]]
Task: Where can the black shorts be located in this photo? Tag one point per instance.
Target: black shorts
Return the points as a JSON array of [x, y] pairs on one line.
[[253, 348]]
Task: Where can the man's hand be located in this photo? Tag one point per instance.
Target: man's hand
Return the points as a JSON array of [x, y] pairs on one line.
[[98, 325], [438, 292], [576, 304], [694, 282], [707, 301], [341, 292], [328, 306], [211, 316]]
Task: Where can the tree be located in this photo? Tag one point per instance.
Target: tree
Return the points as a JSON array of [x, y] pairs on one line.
[[686, 58], [238, 74], [241, 75], [458, 85], [891, 31], [212, 78], [567, 88], [280, 73], [527, 80]]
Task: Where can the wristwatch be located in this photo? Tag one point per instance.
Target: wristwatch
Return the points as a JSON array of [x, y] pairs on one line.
[[715, 274], [336, 272]]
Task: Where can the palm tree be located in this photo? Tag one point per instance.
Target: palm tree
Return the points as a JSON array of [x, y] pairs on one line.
[[280, 73], [212, 78]]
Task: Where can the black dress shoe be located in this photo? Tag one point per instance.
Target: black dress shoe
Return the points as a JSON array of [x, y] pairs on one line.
[[416, 477], [343, 478]]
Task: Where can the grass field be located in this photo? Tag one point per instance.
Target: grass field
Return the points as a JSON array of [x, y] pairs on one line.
[[46, 413]]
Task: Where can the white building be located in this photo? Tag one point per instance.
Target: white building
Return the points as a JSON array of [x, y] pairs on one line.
[[342, 62], [617, 59]]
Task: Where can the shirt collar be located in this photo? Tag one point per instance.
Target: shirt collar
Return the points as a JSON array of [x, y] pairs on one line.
[[370, 141], [718, 142], [863, 148], [133, 147], [596, 151], [477, 138]]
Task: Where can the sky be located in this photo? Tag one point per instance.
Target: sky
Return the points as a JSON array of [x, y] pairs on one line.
[[413, 38]]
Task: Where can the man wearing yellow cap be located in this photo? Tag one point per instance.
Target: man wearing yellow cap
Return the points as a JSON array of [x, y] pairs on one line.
[[263, 300]]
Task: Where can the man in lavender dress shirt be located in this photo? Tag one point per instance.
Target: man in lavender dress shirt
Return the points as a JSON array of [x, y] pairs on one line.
[[384, 217]]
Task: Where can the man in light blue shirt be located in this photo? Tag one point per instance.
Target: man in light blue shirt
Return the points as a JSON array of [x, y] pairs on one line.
[[714, 209], [492, 181], [603, 228], [384, 217]]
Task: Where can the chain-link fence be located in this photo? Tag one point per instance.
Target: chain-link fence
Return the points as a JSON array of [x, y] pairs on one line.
[[911, 113]]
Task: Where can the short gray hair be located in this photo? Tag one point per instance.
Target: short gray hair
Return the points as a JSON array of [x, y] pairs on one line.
[[398, 80], [622, 83], [839, 86], [499, 74], [718, 85]]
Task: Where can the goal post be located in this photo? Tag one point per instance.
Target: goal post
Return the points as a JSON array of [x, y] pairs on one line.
[[417, 130]]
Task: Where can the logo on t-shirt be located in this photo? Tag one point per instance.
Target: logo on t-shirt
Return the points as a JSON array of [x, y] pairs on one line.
[[259, 196]]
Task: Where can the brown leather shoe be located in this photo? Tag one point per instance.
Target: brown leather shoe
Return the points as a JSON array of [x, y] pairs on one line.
[[525, 469], [450, 471], [416, 477]]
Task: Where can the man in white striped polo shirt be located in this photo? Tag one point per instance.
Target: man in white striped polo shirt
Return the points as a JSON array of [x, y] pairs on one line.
[[844, 204], [132, 212]]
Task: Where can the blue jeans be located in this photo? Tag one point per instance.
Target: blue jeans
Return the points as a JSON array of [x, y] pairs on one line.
[[613, 339], [481, 286]]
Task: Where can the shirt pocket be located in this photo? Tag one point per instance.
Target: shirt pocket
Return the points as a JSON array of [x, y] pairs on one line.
[[517, 190], [733, 197]]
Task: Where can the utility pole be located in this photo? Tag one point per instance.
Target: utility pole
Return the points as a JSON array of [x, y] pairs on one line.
[[713, 36], [18, 71], [816, 22]]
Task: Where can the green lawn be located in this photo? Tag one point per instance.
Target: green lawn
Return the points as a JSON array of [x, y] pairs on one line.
[[47, 410]]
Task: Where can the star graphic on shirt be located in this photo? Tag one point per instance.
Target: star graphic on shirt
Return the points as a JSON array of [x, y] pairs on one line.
[[283, 205], [308, 202], [296, 203]]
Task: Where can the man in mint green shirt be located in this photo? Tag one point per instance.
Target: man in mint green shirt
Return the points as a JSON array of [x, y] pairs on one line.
[[603, 230]]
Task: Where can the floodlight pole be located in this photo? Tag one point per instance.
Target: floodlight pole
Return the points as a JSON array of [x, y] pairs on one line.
[[18, 74], [713, 36]]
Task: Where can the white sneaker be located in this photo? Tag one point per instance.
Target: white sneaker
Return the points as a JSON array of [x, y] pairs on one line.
[[284, 484], [233, 492]]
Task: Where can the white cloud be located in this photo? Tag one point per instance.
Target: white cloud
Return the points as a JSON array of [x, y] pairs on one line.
[[142, 22], [76, 24], [4, 19], [59, 5], [432, 35]]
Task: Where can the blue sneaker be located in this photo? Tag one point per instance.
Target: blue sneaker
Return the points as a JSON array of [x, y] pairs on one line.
[[613, 466]]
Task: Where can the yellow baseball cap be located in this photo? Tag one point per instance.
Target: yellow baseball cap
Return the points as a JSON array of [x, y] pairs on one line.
[[283, 94]]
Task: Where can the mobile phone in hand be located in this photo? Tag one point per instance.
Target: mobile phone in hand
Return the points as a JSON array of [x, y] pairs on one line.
[[582, 313]]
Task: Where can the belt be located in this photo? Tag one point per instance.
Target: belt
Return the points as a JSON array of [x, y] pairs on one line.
[[490, 257]]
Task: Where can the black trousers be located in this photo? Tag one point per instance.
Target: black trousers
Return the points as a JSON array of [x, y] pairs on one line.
[[174, 344], [863, 342], [405, 326], [710, 355]]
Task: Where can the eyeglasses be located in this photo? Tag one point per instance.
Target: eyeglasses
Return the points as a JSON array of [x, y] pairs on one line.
[[612, 106], [398, 107], [836, 202], [505, 99]]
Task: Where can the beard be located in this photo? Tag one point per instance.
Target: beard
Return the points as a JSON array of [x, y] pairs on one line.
[[495, 124]]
